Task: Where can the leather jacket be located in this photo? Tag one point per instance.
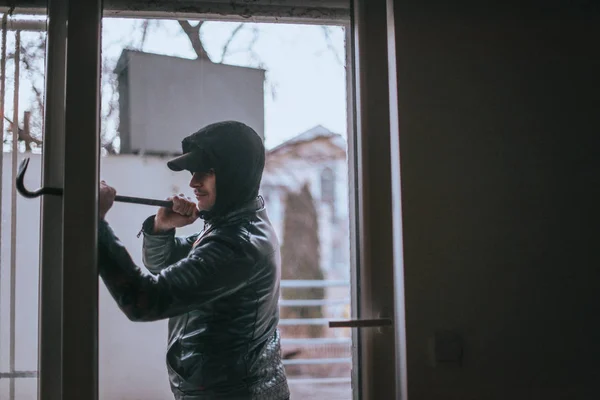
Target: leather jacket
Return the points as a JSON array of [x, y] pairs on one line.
[[219, 289]]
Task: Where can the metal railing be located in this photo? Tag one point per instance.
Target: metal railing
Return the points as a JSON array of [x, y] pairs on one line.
[[319, 341], [16, 26]]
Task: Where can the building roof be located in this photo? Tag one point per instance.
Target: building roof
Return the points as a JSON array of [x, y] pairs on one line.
[[290, 164], [317, 132]]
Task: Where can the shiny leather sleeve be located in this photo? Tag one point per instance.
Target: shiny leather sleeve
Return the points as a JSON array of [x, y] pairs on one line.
[[217, 267], [161, 250]]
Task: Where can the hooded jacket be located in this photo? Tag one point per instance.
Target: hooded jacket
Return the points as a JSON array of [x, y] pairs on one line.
[[219, 288]]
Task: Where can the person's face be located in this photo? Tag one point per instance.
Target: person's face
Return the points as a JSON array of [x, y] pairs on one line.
[[205, 189]]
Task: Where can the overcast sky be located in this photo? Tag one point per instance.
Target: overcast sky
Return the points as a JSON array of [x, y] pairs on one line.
[[306, 75]]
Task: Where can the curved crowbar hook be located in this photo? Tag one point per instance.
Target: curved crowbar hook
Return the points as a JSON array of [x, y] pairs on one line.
[[59, 192], [36, 193]]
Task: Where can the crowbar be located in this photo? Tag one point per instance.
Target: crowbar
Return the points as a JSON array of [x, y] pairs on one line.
[[59, 192]]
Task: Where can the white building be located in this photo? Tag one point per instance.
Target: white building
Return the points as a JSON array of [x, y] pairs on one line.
[[316, 157]]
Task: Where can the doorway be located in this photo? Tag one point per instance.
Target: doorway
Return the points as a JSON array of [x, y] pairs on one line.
[[324, 146]]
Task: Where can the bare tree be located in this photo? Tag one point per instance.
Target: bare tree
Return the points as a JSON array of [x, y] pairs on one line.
[[33, 54], [300, 259], [329, 44], [193, 34], [32, 63], [24, 134], [32, 51]]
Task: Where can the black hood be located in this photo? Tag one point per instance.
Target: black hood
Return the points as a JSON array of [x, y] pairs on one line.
[[237, 155]]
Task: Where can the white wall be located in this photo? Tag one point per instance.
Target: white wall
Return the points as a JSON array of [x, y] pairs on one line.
[[131, 355]]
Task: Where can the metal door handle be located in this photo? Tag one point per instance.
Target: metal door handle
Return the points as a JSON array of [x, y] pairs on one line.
[[361, 323]]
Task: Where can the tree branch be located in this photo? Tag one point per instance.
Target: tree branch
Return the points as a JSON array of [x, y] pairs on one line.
[[228, 43], [193, 34], [145, 28], [329, 42]]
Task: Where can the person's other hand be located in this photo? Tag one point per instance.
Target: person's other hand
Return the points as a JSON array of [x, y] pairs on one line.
[[106, 198], [184, 212]]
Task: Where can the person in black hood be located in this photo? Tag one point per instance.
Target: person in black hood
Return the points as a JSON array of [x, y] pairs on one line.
[[235, 153], [219, 288]]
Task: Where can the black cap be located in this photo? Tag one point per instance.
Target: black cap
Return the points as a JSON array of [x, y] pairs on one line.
[[193, 161], [202, 148], [196, 149]]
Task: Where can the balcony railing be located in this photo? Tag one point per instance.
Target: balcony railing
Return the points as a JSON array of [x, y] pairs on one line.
[[316, 343]]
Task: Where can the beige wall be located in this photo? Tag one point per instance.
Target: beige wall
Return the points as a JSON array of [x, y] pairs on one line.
[[500, 132], [157, 111]]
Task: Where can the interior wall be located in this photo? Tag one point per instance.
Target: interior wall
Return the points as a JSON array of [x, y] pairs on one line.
[[499, 125]]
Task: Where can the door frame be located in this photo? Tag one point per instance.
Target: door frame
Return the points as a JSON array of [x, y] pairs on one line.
[[377, 290], [374, 285]]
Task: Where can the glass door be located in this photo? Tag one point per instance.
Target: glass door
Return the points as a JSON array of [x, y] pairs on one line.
[[53, 356], [312, 81]]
